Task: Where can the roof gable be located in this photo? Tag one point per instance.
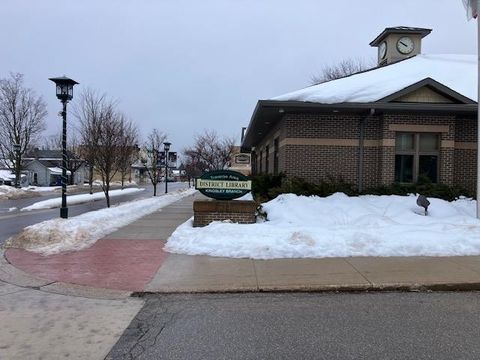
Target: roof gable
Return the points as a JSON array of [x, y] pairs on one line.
[[427, 90]]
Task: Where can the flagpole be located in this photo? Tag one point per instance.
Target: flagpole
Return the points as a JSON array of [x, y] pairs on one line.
[[478, 118]]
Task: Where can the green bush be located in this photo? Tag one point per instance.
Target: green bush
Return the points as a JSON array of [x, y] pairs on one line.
[[426, 188], [266, 187], [262, 183]]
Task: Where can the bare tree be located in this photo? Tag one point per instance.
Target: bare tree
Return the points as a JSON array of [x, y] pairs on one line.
[[128, 149], [152, 155], [344, 68], [52, 142], [109, 141], [209, 152], [89, 111], [22, 119]]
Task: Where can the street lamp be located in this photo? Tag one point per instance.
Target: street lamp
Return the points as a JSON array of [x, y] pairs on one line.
[[64, 90], [16, 150], [166, 147], [144, 163]]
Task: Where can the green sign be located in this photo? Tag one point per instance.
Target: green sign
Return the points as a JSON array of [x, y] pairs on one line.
[[223, 184]]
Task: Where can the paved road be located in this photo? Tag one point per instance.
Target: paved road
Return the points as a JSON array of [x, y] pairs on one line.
[[304, 326], [13, 222]]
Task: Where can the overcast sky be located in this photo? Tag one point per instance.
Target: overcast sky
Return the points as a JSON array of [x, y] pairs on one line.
[[183, 66]]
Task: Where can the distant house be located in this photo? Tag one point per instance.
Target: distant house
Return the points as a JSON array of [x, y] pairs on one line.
[[7, 176], [44, 168], [412, 117]]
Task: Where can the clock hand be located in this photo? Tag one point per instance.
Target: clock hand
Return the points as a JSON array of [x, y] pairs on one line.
[[403, 43]]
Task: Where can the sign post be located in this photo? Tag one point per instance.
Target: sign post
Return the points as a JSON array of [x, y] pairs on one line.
[[223, 186]]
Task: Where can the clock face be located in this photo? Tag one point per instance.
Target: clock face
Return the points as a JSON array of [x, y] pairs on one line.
[[382, 50], [405, 45]]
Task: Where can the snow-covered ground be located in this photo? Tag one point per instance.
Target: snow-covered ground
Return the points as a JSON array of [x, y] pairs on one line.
[[339, 226], [9, 192], [43, 188], [78, 199], [75, 233]]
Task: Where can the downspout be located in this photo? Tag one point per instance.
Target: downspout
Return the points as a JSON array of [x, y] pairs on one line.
[[361, 149]]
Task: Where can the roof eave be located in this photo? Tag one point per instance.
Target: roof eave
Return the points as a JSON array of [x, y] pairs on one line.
[[275, 110]]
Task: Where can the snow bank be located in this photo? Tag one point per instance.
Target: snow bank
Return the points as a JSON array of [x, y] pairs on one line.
[[78, 199], [45, 188], [339, 226], [75, 233], [9, 193]]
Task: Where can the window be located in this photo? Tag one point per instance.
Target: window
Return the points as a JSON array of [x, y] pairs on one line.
[[260, 161], [416, 156], [267, 155], [275, 156], [254, 162]]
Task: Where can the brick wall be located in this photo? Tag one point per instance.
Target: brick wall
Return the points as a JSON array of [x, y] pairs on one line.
[[318, 162], [465, 160], [277, 131], [237, 211], [465, 174], [315, 163], [321, 126]]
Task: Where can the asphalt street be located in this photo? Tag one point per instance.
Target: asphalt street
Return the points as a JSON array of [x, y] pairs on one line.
[[13, 222], [304, 326]]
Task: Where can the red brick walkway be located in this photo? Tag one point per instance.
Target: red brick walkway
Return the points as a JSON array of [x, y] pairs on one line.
[[110, 263]]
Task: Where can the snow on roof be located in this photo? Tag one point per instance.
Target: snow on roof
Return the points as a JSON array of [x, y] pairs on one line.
[[6, 175], [57, 171], [458, 72]]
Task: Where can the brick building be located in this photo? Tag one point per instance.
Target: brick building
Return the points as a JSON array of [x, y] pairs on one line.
[[413, 115]]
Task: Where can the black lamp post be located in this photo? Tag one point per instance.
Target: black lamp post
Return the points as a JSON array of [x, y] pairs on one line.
[[64, 89], [16, 150], [166, 147], [144, 170]]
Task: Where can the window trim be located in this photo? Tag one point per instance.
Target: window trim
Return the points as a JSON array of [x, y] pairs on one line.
[[267, 162], [417, 153]]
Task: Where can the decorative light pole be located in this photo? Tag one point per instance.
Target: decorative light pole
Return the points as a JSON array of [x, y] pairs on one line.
[[16, 150], [64, 90], [166, 147]]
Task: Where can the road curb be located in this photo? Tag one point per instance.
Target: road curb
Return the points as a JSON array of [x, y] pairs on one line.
[[446, 287]]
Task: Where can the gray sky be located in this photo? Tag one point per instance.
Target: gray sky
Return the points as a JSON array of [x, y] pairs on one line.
[[183, 66]]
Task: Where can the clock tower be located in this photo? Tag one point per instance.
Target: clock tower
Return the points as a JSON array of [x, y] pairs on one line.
[[398, 43]]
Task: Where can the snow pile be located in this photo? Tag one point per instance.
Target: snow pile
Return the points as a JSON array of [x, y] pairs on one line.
[[79, 232], [458, 72], [44, 188], [339, 226], [9, 193], [78, 199]]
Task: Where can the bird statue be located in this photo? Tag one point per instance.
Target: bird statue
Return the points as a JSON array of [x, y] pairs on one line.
[[422, 201]]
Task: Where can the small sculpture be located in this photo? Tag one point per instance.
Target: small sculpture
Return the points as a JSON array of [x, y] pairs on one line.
[[422, 201]]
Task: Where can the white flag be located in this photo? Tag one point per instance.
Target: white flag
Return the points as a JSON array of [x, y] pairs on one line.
[[472, 7]]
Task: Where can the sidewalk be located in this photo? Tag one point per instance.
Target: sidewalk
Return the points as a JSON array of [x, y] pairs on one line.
[[131, 259]]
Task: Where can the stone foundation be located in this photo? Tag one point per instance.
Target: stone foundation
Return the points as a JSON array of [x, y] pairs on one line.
[[238, 211]]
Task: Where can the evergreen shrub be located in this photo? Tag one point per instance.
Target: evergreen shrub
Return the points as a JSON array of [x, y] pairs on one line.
[[266, 187]]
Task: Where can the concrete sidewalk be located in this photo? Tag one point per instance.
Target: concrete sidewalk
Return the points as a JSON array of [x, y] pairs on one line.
[[131, 259]]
